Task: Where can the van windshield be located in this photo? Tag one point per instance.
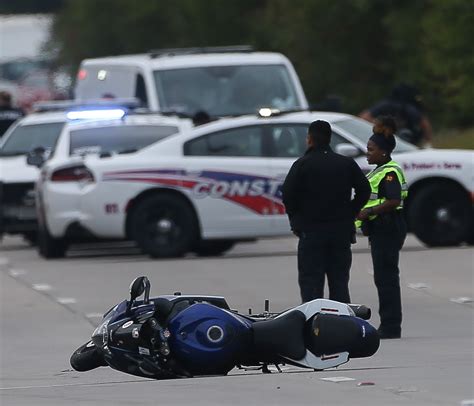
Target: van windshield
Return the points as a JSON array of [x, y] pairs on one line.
[[225, 90]]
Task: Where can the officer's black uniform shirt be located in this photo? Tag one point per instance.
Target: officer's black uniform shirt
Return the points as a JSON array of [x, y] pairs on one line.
[[390, 187], [318, 190], [8, 115]]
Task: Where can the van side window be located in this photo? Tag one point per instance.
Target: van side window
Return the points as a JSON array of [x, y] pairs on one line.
[[140, 90]]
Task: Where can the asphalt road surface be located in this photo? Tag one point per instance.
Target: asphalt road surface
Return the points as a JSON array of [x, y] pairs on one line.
[[49, 308]]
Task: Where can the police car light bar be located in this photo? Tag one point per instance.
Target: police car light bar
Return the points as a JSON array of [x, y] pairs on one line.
[[155, 53], [98, 114], [62, 105]]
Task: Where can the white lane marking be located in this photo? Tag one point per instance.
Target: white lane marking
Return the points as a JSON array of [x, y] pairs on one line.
[[66, 300], [16, 272], [462, 299], [78, 384], [467, 402], [94, 315], [338, 379], [42, 287], [418, 286]]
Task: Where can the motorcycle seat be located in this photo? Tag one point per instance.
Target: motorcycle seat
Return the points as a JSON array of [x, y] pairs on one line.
[[283, 336], [332, 334]]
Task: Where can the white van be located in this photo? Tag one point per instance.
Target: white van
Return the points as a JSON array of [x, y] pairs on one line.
[[221, 81]]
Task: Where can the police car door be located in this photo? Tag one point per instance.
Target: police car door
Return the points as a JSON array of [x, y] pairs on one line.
[[288, 143], [232, 170]]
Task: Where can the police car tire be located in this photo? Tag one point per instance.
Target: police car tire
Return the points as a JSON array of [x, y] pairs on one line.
[[50, 247], [213, 248], [86, 358], [423, 220], [183, 219]]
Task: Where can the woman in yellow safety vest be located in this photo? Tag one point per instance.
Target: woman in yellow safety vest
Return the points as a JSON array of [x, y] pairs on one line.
[[383, 221]]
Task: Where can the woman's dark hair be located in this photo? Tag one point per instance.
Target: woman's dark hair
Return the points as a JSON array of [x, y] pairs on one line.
[[384, 129]]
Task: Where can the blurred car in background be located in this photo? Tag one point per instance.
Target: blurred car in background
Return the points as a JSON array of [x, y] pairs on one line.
[[205, 188], [17, 178], [222, 81], [42, 85]]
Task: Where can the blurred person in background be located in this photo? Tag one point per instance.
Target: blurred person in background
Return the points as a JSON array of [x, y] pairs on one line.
[[8, 113], [404, 105]]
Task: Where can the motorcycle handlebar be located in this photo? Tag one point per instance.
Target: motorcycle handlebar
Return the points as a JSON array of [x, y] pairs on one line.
[[361, 311]]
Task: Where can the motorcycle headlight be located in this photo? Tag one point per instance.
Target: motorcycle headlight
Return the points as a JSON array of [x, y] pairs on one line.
[[101, 331]]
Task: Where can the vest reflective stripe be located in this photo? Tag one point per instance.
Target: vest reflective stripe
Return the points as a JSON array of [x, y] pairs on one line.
[[375, 177]]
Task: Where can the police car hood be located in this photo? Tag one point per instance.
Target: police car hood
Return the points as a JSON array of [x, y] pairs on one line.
[[15, 169], [460, 157]]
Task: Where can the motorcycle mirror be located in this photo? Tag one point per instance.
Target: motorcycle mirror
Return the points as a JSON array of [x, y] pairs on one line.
[[138, 286]]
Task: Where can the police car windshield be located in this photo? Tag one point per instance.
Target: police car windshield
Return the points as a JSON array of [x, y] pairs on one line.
[[363, 130], [117, 139], [25, 138], [225, 90]]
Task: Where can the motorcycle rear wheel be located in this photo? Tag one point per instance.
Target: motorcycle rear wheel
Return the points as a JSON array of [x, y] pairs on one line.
[[86, 357]]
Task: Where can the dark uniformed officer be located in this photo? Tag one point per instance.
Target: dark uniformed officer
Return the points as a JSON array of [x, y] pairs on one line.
[[317, 194], [382, 220], [8, 114]]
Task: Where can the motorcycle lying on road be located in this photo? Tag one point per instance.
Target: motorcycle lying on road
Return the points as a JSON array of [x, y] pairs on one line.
[[177, 335]]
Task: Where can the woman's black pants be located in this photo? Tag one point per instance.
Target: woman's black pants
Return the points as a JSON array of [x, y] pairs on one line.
[[387, 235]]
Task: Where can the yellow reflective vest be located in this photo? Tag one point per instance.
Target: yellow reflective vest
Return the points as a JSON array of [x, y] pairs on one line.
[[375, 177]]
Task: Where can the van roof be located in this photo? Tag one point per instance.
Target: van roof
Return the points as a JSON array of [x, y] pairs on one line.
[[176, 61]]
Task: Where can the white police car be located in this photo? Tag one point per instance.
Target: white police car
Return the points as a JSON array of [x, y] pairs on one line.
[[17, 178], [207, 187]]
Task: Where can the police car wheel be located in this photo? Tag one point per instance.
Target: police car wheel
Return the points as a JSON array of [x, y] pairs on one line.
[[439, 215], [49, 247], [213, 248], [86, 357], [164, 225]]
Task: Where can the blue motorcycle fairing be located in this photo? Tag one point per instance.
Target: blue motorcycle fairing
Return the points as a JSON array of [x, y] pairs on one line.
[[207, 339]]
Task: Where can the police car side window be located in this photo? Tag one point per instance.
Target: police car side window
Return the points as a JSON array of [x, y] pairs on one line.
[[336, 139], [288, 140], [244, 141]]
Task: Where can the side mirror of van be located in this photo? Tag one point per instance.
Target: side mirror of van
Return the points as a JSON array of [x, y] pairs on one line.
[[36, 157], [348, 150]]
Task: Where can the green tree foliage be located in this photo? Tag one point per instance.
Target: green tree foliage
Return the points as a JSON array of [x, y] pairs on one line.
[[356, 49]]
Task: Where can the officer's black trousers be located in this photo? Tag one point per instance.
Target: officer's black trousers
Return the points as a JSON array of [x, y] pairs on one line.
[[325, 253], [387, 236]]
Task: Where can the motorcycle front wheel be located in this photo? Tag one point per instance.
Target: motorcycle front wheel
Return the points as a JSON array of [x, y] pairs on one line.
[[86, 357]]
